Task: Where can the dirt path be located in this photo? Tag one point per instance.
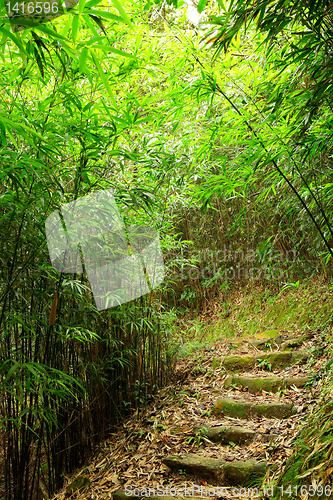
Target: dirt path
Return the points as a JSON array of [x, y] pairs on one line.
[[228, 421]]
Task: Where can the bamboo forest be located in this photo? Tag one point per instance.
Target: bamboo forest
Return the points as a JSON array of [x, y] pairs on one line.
[[166, 225]]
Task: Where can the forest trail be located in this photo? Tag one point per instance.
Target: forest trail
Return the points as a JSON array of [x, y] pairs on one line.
[[228, 421]]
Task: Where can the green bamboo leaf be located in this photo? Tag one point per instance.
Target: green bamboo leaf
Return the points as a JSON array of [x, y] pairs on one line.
[[201, 5], [99, 23], [115, 51], [92, 3], [65, 30], [104, 79], [83, 58], [75, 25], [148, 118], [3, 133], [91, 26], [39, 61], [12, 138], [15, 40], [121, 11], [106, 15], [52, 33], [81, 5], [12, 370]]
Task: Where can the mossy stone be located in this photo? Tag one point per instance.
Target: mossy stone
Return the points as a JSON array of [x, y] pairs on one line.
[[267, 384], [216, 363], [299, 357], [292, 343], [239, 363], [245, 410], [276, 359], [268, 334], [242, 363], [225, 435], [243, 473], [235, 473], [79, 483], [284, 358]]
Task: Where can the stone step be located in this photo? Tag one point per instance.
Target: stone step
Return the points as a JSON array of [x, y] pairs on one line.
[[237, 363], [226, 473], [268, 384], [225, 435], [245, 410], [267, 341], [233, 434]]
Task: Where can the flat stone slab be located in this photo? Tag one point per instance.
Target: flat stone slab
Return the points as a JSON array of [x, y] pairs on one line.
[[260, 343], [269, 340], [291, 343], [225, 435], [227, 473], [267, 384], [266, 335], [244, 410], [237, 363]]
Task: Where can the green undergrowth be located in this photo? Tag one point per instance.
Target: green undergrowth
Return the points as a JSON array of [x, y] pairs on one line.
[[251, 310], [311, 464]]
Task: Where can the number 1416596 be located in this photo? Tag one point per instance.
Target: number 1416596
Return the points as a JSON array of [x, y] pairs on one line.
[[311, 491], [23, 8]]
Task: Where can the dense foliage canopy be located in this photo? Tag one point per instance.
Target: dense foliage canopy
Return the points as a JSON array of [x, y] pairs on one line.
[[217, 133]]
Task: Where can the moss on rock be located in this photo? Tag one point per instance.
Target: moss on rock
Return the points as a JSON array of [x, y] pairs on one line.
[[235, 473], [268, 334], [239, 363], [268, 384], [216, 363], [79, 483], [242, 363], [244, 410], [225, 435]]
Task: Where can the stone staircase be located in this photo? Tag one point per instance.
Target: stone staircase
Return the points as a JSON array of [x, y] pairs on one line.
[[255, 386]]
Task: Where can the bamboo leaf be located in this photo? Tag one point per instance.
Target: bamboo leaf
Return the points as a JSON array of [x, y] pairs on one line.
[[122, 12], [83, 58], [81, 6], [201, 5], [75, 25], [106, 15], [113, 50], [15, 40], [104, 79]]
